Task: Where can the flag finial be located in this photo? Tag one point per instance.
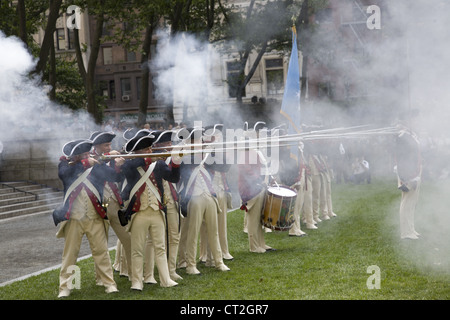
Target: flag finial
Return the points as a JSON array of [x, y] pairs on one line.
[[293, 24]]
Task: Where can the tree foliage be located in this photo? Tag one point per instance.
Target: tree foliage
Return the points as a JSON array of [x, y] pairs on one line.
[[258, 27]]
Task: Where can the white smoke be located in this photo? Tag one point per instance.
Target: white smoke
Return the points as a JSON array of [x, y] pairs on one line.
[[415, 48], [26, 112], [185, 68]]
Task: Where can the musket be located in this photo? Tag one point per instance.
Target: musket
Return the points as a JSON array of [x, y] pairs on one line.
[[332, 133], [276, 141], [138, 155], [181, 153]]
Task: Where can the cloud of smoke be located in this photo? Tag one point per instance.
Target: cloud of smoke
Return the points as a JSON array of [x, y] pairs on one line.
[[414, 55], [26, 112], [185, 68]]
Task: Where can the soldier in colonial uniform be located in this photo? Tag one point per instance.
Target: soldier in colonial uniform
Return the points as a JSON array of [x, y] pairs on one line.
[[327, 175], [292, 174], [409, 170], [120, 261], [83, 213], [143, 194], [163, 140], [101, 142], [201, 200], [317, 180], [307, 208], [218, 169], [252, 185]]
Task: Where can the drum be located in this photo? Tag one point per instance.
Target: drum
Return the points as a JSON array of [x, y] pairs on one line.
[[278, 209]]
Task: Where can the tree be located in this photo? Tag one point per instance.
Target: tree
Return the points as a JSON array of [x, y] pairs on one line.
[[262, 28], [99, 10], [141, 22], [249, 31], [54, 12], [23, 19]]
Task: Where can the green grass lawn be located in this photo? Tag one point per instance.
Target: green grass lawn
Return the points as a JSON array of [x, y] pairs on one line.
[[331, 263]]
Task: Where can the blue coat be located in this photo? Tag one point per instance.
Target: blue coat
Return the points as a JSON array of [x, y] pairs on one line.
[[171, 173], [68, 173]]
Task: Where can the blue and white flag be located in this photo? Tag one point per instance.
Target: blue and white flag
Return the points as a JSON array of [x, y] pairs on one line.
[[290, 106]]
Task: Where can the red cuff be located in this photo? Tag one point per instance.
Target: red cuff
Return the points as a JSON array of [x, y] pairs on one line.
[[85, 163]]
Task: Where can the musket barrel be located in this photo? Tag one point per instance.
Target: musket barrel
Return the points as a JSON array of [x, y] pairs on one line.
[[257, 143]]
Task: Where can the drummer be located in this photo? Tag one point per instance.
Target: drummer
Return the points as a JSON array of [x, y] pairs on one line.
[[293, 175], [252, 185]]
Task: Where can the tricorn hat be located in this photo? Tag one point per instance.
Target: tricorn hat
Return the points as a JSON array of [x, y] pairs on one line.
[[162, 136], [99, 137], [141, 140], [129, 133], [76, 147], [187, 133]]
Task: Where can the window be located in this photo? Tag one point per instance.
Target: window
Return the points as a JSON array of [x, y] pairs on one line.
[[60, 39], [103, 88], [274, 76], [107, 28], [107, 55], [71, 39], [125, 86], [131, 56], [233, 70]]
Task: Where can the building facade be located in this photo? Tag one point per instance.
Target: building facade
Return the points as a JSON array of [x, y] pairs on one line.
[[335, 62]]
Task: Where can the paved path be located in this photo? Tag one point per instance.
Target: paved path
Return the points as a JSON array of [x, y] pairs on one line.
[[28, 244]]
